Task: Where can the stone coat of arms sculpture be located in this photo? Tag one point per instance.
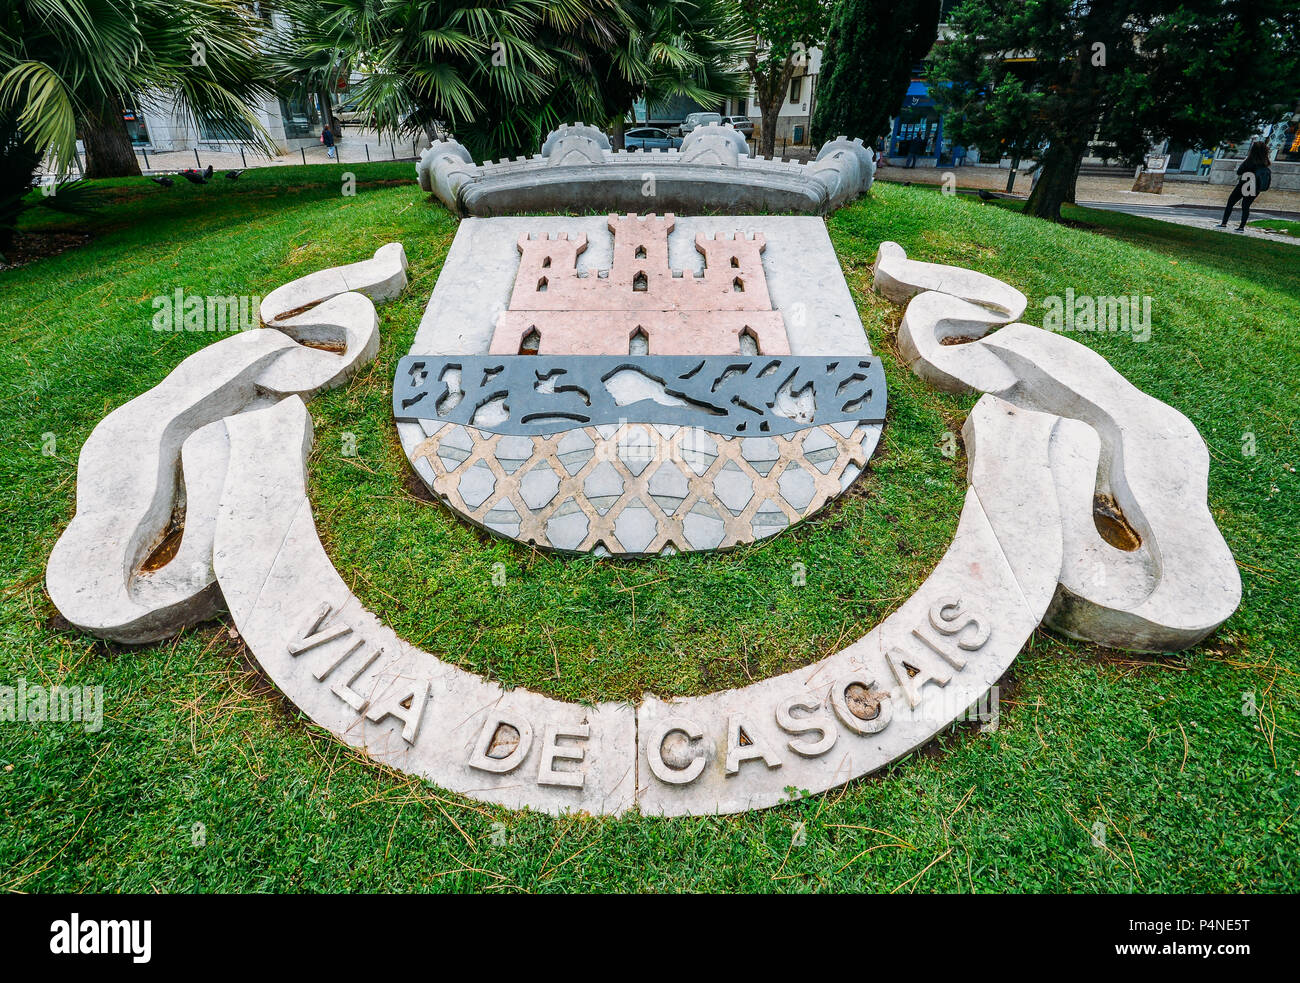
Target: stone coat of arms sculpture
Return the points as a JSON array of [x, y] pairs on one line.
[[638, 384]]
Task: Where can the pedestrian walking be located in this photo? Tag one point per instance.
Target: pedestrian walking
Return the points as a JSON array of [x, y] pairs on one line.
[[327, 138], [1253, 178]]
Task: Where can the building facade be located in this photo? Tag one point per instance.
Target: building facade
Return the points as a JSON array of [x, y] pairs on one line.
[[155, 122]]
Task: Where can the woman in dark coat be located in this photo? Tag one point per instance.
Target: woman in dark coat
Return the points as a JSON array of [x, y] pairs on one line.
[[1253, 177]]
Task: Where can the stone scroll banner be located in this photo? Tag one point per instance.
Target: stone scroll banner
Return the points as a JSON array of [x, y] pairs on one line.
[[1052, 430]]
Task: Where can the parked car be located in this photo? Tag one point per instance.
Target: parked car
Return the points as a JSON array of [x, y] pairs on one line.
[[742, 123], [699, 119], [650, 138], [350, 113]]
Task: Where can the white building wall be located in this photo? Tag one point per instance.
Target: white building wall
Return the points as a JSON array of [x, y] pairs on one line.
[[170, 128]]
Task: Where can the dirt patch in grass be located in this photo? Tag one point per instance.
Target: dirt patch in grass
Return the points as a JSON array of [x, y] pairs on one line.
[[416, 488], [247, 678], [28, 247]]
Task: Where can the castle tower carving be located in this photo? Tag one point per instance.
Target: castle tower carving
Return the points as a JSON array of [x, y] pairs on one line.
[[556, 309]]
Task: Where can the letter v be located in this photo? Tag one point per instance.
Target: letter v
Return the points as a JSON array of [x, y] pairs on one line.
[[313, 634]]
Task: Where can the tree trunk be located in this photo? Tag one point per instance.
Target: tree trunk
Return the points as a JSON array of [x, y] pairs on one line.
[[1056, 182], [108, 149], [771, 114], [771, 92], [327, 113], [619, 128], [769, 102], [1074, 181], [18, 161]]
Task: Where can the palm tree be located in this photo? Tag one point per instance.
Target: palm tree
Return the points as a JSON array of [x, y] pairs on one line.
[[67, 67], [489, 71], [305, 57], [692, 49], [503, 73]]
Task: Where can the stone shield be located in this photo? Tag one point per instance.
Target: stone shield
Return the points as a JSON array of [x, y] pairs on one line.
[[626, 386]]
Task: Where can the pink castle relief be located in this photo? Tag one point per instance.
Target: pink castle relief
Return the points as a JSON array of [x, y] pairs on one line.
[[640, 300]]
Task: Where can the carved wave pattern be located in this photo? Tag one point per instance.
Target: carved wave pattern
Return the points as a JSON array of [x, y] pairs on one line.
[[729, 395]]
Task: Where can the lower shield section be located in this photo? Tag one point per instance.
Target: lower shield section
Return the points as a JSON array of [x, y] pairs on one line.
[[626, 455], [641, 489]]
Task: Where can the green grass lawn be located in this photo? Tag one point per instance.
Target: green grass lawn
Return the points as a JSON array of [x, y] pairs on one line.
[[1283, 225], [1196, 791]]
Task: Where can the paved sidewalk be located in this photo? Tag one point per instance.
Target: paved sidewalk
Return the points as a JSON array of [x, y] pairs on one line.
[[1091, 189], [1182, 203], [355, 147], [1203, 218]]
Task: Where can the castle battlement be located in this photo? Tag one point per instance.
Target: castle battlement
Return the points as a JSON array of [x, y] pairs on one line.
[[570, 309]]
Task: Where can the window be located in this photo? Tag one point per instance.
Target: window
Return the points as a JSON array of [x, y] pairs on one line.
[[136, 128], [796, 89], [301, 119], [225, 131]]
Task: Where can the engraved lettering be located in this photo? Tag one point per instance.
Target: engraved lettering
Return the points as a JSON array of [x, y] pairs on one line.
[[328, 668], [313, 634], [914, 670], [503, 743], [553, 751], [406, 704], [743, 745], [672, 763], [344, 690], [861, 707], [952, 658], [948, 618], [817, 722]]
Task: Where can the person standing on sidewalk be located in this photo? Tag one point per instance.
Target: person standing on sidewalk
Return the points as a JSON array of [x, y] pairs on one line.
[[915, 147], [1253, 178], [327, 138]]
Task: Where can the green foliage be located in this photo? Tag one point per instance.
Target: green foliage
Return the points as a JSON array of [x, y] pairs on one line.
[[783, 33], [57, 56], [867, 63], [487, 71], [64, 61], [503, 74], [1196, 795], [1132, 72], [1281, 225], [672, 49]]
